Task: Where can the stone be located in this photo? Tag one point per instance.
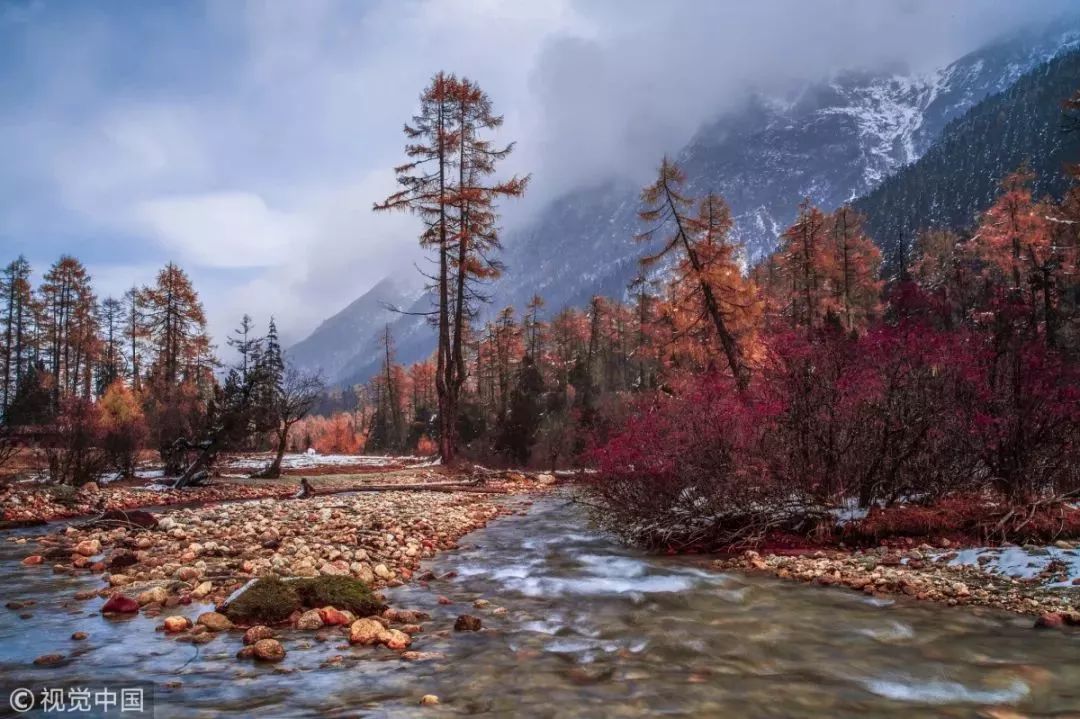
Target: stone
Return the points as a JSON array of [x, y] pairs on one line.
[[202, 590], [467, 623], [32, 560], [176, 624], [186, 574], [49, 660], [481, 603], [246, 653], [365, 631], [120, 604], [334, 617], [258, 632], [88, 547], [214, 621], [1050, 620], [429, 700], [394, 639], [79, 636], [310, 620], [382, 572], [156, 595], [268, 650]]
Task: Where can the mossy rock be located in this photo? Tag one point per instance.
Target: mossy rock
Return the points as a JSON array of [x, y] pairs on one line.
[[268, 601], [271, 599], [340, 592]]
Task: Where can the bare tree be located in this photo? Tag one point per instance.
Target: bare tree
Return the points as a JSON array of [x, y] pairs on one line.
[[294, 399]]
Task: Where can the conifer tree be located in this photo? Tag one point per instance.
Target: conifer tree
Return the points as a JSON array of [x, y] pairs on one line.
[[702, 242]]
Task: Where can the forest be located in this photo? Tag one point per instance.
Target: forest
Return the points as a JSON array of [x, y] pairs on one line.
[[713, 404]]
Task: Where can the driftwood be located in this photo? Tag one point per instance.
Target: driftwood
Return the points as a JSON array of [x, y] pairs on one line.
[[436, 487]]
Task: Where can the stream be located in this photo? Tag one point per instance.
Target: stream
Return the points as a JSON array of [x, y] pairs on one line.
[[592, 629]]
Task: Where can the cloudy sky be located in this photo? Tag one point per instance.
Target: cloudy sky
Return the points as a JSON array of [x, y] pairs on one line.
[[247, 141]]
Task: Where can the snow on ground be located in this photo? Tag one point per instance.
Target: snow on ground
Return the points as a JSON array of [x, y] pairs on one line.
[[1022, 562], [849, 511], [309, 460]]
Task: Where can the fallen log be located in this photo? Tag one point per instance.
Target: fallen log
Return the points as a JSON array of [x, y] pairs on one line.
[[437, 487]]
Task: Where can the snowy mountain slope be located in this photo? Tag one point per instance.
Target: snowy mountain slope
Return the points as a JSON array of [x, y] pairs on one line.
[[831, 141]]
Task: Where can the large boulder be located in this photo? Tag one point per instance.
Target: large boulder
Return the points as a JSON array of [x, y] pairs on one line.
[[310, 620]]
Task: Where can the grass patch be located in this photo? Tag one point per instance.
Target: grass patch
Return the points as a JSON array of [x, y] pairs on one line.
[[340, 592], [271, 599]]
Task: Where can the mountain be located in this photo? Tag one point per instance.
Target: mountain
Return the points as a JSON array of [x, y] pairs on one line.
[[832, 141], [959, 176], [336, 343]]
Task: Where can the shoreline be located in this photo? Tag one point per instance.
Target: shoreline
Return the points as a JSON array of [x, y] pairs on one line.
[[929, 574]]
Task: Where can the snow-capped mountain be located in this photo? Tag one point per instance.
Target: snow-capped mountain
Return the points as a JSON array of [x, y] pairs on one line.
[[830, 142]]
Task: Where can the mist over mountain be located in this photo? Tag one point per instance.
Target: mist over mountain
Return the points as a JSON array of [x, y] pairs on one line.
[[831, 142]]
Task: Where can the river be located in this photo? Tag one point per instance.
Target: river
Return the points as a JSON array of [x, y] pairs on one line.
[[592, 629]]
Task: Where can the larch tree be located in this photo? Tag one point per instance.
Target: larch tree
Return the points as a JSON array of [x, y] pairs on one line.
[[806, 267], [175, 328], [17, 319], [856, 265], [111, 362], [446, 183], [70, 327], [701, 240]]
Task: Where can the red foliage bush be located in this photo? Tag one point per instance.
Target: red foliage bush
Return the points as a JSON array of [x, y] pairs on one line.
[[908, 412]]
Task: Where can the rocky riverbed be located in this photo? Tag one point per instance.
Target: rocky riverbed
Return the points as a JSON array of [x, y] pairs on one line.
[[933, 574]]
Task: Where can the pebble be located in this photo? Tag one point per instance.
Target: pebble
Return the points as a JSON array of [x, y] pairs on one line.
[[467, 623], [429, 700]]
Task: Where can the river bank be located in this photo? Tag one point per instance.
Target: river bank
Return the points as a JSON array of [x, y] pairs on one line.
[[1039, 581]]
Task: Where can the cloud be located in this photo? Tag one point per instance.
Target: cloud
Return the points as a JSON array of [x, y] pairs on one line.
[[249, 140], [223, 229]]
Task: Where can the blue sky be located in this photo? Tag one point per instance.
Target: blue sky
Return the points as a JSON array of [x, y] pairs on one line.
[[247, 140]]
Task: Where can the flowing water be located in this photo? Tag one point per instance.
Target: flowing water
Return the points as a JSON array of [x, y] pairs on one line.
[[592, 630]]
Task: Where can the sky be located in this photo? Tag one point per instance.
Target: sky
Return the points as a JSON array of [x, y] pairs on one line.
[[247, 141]]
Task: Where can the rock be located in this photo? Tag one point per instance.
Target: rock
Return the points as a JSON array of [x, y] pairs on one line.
[[186, 574], [79, 636], [1050, 620], [258, 632], [214, 621], [365, 631], [334, 617], [382, 572], [177, 624], [119, 580], [156, 595], [268, 650], [429, 700], [119, 604], [444, 600], [422, 656], [246, 653], [32, 560], [394, 639], [203, 589], [310, 620], [49, 660], [88, 547], [122, 559], [467, 623]]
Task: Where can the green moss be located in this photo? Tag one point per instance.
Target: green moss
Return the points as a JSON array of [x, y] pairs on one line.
[[340, 592], [269, 600]]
